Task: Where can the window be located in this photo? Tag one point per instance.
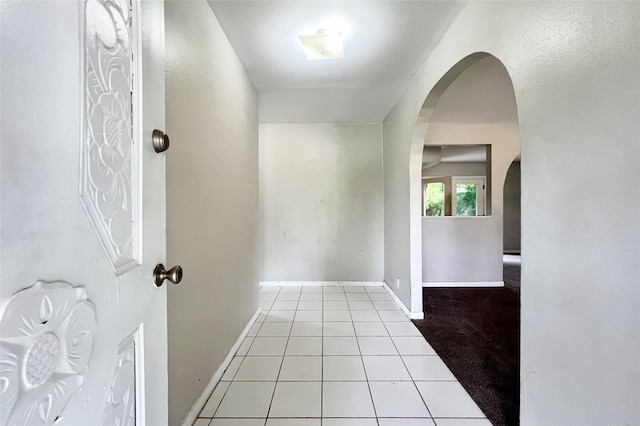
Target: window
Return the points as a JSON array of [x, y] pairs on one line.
[[456, 180], [469, 197], [451, 196], [434, 199]]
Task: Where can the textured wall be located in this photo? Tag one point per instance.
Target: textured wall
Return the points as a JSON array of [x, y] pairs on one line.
[[321, 213], [212, 199], [578, 95]]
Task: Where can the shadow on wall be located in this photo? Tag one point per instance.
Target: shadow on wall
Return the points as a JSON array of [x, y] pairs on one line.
[[511, 225]]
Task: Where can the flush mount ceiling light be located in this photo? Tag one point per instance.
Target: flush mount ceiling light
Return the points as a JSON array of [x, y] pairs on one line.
[[322, 45]]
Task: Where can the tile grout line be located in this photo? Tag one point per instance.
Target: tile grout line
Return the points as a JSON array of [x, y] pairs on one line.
[[321, 356], [242, 359], [234, 376], [365, 371], [401, 359], [364, 368], [275, 386], [411, 376]]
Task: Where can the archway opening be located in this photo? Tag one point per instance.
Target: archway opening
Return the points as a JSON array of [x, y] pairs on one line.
[[466, 138]]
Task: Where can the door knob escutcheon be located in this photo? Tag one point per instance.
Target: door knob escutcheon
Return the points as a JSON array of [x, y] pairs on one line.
[[160, 274], [160, 141]]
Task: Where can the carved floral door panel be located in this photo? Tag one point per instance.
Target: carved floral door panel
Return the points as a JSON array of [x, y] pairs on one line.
[[82, 325]]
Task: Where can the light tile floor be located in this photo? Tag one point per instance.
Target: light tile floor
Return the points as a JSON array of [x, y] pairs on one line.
[[336, 356]]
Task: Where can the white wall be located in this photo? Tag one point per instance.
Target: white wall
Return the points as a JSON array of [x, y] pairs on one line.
[[212, 199], [321, 216], [462, 249], [574, 69]]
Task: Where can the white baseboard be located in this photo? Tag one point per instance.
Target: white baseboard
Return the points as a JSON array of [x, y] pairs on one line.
[[471, 284], [407, 312], [192, 415], [320, 283]]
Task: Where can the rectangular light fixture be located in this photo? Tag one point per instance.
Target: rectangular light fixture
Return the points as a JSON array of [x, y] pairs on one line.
[[322, 46]]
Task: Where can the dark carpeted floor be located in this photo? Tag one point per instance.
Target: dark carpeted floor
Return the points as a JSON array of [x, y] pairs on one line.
[[476, 332]]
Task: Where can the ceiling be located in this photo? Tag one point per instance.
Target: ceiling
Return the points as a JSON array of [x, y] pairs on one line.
[[464, 153], [385, 43]]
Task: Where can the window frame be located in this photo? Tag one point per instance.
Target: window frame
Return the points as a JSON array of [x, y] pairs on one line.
[[449, 183], [481, 194]]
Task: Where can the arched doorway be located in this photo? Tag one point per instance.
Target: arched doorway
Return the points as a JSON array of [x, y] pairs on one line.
[[478, 130], [467, 137]]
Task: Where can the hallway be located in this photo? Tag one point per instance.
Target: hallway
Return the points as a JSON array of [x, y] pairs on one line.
[[336, 356]]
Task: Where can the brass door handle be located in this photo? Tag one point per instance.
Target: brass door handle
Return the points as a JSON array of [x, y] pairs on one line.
[[160, 274]]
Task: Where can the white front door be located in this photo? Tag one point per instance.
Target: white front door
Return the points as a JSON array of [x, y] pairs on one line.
[[82, 325]]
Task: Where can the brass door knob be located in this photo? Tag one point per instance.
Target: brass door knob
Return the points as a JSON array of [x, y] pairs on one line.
[[160, 274]]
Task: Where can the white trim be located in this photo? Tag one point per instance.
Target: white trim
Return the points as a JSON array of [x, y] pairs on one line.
[[407, 312], [480, 201], [140, 387], [320, 283], [192, 415], [471, 284]]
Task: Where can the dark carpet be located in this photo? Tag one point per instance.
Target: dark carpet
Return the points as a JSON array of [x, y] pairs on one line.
[[476, 332]]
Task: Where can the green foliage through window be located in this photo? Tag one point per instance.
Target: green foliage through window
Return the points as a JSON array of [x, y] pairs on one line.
[[434, 199], [466, 199]]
